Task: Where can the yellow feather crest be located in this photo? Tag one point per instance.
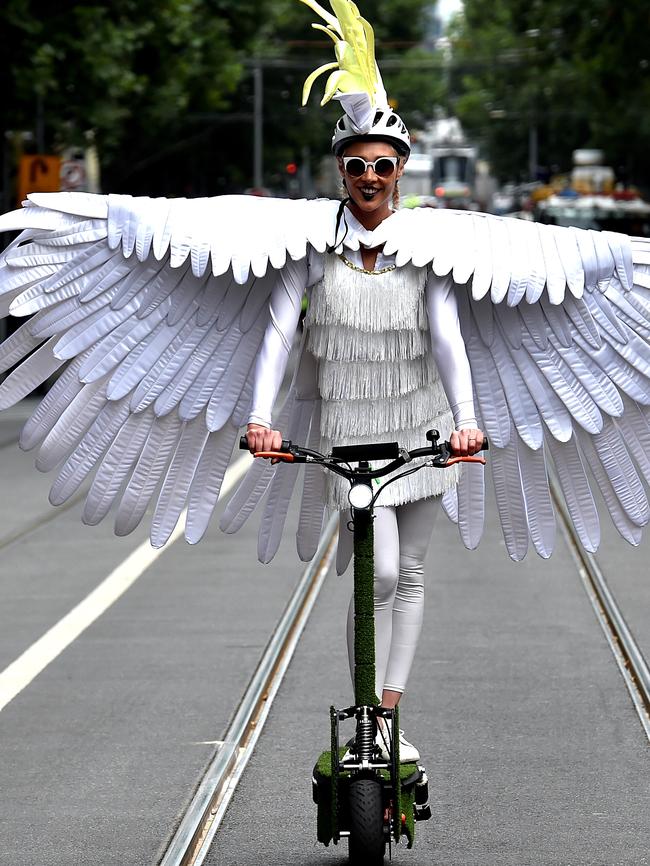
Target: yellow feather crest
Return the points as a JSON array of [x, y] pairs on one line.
[[355, 67]]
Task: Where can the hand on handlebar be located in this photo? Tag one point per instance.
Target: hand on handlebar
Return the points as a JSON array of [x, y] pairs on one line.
[[466, 443], [263, 439]]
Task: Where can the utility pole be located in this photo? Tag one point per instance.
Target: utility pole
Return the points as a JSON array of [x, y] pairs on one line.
[[40, 123], [258, 124], [306, 181], [533, 138], [533, 147]]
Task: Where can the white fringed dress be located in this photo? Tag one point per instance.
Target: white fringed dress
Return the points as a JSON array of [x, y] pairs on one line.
[[377, 378], [383, 351]]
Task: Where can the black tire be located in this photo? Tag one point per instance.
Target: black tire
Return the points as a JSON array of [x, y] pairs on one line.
[[366, 842]]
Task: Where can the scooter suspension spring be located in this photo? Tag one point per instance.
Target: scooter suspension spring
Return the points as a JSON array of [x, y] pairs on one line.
[[365, 736]]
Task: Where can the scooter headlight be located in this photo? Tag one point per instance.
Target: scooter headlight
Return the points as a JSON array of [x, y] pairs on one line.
[[360, 496]]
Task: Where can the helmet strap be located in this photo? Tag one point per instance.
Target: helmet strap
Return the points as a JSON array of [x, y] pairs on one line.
[[340, 215]]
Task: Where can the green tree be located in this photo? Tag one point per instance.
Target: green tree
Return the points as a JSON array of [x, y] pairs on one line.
[[578, 72], [132, 72], [167, 87], [399, 27]]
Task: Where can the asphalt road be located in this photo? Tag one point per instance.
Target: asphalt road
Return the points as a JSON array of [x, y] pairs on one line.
[[101, 752], [535, 753]]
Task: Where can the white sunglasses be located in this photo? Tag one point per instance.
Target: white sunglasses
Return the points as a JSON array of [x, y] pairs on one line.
[[383, 166]]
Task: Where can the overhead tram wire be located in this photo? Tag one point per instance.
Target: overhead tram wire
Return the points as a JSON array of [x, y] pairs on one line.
[[506, 58]]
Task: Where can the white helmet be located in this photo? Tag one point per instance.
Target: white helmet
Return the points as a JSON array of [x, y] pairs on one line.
[[386, 126]]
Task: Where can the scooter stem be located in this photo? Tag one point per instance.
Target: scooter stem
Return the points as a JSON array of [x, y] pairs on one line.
[[364, 610]]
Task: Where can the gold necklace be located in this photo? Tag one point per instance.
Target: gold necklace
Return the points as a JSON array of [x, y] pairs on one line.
[[366, 270]]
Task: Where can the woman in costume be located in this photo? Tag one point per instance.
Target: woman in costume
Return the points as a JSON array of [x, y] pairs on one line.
[[169, 323], [391, 358]]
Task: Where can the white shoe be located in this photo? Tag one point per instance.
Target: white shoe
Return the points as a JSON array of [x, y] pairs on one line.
[[348, 755], [408, 754]]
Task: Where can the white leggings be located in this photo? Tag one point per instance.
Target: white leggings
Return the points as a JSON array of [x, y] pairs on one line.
[[402, 534]]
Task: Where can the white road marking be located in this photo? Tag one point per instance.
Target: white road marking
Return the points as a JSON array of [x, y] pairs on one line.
[[198, 826], [38, 656]]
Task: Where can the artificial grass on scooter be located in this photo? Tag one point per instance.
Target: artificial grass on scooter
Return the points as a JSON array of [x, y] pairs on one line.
[[364, 612], [332, 802], [323, 774]]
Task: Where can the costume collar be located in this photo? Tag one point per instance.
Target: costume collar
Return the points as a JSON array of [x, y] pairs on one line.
[[357, 235]]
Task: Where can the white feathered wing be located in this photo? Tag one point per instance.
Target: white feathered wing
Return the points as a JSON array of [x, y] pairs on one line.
[[556, 322], [154, 311], [158, 309]]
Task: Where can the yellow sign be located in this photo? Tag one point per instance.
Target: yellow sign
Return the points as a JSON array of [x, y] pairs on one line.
[[38, 173]]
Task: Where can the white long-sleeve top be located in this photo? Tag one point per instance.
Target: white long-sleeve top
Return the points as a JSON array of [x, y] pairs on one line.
[[447, 344]]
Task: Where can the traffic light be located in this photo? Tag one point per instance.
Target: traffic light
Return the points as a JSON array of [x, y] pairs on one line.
[[291, 168]]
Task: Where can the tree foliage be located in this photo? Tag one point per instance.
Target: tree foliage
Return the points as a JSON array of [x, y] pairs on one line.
[[577, 71], [291, 131], [167, 89], [120, 66]]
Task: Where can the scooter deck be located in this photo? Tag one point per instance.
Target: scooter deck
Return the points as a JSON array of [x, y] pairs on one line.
[[329, 826]]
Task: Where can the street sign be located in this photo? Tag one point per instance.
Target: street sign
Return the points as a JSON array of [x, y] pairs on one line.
[[38, 173]]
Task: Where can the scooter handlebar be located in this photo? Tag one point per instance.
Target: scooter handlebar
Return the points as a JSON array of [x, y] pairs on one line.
[[285, 447]]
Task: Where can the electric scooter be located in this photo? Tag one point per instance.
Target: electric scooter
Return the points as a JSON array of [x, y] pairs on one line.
[[365, 798]]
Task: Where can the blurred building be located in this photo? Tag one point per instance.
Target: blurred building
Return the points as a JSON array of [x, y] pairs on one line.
[[438, 18]]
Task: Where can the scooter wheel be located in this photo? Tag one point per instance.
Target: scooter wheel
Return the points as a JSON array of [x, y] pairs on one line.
[[367, 844]]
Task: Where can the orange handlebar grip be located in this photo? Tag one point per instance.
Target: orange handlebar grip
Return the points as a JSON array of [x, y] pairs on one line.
[[453, 460], [278, 455]]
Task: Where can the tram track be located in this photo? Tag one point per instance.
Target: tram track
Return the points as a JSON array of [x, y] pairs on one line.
[[191, 842], [39, 522], [20, 415], [198, 826], [626, 650], [13, 420]]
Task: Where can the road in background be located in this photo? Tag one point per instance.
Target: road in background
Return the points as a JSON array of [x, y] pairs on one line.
[[533, 747], [102, 751], [534, 751]]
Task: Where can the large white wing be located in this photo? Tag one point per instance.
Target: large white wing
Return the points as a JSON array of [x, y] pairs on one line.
[[153, 312], [274, 485], [557, 327], [506, 259]]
